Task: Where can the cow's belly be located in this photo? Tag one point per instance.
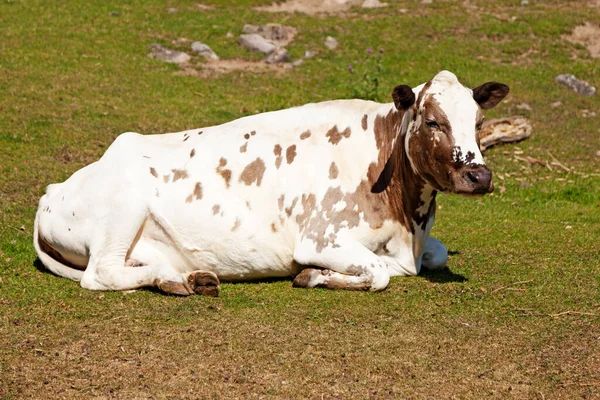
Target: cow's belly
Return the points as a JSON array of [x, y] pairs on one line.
[[236, 239]]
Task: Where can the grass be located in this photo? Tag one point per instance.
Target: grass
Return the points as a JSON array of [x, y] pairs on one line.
[[516, 315]]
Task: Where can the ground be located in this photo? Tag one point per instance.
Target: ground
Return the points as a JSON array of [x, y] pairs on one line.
[[515, 315]]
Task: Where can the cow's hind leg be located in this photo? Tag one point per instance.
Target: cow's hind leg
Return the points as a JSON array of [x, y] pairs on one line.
[[347, 265], [109, 248]]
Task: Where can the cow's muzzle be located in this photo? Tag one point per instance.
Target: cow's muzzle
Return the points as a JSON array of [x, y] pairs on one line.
[[474, 180]]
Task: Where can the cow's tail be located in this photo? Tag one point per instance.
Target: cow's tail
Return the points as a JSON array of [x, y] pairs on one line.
[[43, 250]]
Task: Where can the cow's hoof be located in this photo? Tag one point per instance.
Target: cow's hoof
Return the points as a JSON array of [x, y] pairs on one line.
[[175, 288], [205, 283], [304, 278]]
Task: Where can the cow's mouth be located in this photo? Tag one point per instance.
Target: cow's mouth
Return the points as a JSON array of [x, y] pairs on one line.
[[472, 181]]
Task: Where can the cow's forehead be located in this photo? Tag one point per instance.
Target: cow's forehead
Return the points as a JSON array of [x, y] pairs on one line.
[[453, 98]]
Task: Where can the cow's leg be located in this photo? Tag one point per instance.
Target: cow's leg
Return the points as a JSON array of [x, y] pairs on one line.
[[435, 255], [347, 265], [107, 267]]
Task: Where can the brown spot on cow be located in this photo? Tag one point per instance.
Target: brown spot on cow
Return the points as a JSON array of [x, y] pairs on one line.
[[290, 154], [252, 133], [305, 135], [179, 174], [166, 178], [309, 203], [248, 205], [197, 193], [200, 133], [153, 172], [280, 201], [335, 135], [247, 136], [216, 209], [277, 151], [225, 173], [236, 225], [363, 122], [192, 153], [244, 147], [253, 173], [273, 227], [289, 210], [333, 171], [186, 137]]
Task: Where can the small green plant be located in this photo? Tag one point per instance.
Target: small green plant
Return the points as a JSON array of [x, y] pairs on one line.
[[365, 85]]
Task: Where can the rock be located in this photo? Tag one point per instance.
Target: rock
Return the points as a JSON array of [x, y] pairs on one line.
[[279, 34], [373, 4], [524, 107], [172, 10], [581, 87], [277, 56], [331, 43], [556, 104], [309, 54], [168, 55], [298, 63], [255, 42], [229, 35], [504, 130], [204, 50], [426, 1], [598, 153], [524, 2]]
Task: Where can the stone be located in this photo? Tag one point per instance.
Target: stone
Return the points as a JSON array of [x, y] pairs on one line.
[[524, 107], [331, 43], [426, 1], [277, 56], [172, 10], [279, 34], [556, 104], [204, 50], [255, 42], [309, 54], [581, 87], [298, 63], [169, 55], [504, 130], [373, 4]]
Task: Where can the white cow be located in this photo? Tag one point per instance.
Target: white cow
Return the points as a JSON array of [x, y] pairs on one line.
[[339, 194]]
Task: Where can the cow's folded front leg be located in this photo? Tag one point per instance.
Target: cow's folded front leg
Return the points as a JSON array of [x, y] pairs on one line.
[[349, 266]]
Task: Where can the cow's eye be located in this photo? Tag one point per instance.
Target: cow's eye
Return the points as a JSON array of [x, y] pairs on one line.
[[432, 125]]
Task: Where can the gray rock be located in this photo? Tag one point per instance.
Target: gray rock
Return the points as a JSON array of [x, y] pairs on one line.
[[426, 1], [168, 55], [172, 10], [309, 54], [255, 42], [373, 4], [204, 50], [277, 56], [279, 34], [298, 63], [331, 43], [556, 104], [581, 87], [524, 2], [524, 107]]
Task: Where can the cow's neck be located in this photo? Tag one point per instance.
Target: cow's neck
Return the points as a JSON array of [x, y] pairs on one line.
[[410, 198]]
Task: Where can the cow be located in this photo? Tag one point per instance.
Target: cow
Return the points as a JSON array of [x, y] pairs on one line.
[[338, 194]]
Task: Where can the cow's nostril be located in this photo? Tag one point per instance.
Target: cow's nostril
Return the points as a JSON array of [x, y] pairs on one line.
[[472, 176]]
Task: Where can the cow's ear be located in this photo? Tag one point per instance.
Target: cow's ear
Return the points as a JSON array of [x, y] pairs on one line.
[[490, 94], [403, 96]]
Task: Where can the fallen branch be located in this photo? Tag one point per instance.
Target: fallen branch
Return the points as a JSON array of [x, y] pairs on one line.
[[558, 163], [510, 287]]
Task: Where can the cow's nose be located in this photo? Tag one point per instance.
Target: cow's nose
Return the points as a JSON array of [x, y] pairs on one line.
[[480, 178]]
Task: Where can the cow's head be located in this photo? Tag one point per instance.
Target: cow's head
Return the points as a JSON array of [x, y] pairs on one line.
[[441, 132]]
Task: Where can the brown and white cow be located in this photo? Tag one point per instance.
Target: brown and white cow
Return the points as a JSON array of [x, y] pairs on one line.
[[339, 194]]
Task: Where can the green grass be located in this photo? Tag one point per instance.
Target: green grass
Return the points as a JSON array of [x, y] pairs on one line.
[[516, 315]]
